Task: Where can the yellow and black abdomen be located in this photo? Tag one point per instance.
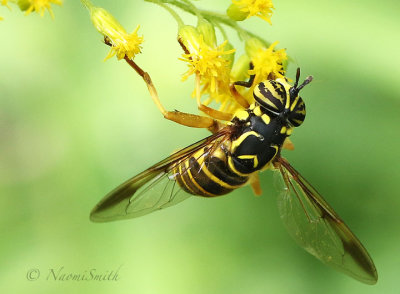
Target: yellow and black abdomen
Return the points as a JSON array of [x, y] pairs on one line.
[[207, 174]]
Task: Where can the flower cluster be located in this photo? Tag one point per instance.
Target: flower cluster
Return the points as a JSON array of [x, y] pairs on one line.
[[212, 63], [209, 61], [39, 6]]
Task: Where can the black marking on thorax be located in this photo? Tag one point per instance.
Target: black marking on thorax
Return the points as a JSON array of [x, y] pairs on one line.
[[258, 143]]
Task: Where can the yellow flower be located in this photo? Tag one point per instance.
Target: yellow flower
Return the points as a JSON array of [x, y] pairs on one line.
[[122, 43], [268, 63], [210, 64], [39, 6], [260, 8]]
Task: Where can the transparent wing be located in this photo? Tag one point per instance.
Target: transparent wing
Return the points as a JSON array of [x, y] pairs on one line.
[[317, 228], [153, 189]]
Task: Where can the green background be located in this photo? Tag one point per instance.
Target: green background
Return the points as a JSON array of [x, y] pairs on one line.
[[72, 127]]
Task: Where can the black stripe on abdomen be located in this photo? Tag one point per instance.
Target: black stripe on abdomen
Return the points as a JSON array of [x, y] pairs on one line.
[[192, 177]]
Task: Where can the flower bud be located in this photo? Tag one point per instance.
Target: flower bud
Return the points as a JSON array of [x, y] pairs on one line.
[[24, 4], [189, 37], [105, 23], [205, 28], [235, 13], [122, 44]]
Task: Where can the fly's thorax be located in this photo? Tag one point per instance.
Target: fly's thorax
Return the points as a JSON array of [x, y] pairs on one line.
[[270, 128], [260, 138]]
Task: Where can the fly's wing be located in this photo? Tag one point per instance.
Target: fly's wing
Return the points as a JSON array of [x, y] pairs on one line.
[[153, 189], [317, 228]]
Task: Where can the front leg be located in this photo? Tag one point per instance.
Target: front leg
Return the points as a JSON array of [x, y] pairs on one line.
[[236, 95], [186, 119]]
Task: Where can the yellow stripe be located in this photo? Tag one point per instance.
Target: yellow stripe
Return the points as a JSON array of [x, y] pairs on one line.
[[294, 103], [283, 130], [262, 97], [240, 140], [254, 157], [287, 102], [276, 152], [182, 179], [266, 118], [286, 87], [194, 181], [302, 111], [257, 111], [232, 167], [268, 164], [242, 114], [221, 155], [269, 87], [218, 180]]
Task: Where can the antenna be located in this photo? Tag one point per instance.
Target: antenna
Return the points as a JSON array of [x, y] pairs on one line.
[[306, 82], [296, 89], [297, 78]]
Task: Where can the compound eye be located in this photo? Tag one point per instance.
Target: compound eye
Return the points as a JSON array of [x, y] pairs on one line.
[[298, 114], [271, 95]]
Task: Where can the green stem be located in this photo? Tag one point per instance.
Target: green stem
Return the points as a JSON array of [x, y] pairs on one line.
[[216, 18], [210, 16], [193, 8], [169, 9], [221, 29]]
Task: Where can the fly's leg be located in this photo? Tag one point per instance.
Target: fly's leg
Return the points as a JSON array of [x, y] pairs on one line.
[[186, 119], [255, 184], [236, 95], [216, 114], [288, 144]]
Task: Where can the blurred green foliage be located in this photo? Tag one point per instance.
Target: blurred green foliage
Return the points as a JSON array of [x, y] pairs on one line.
[[73, 127]]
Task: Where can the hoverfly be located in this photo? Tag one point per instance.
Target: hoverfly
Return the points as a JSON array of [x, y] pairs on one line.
[[230, 158]]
